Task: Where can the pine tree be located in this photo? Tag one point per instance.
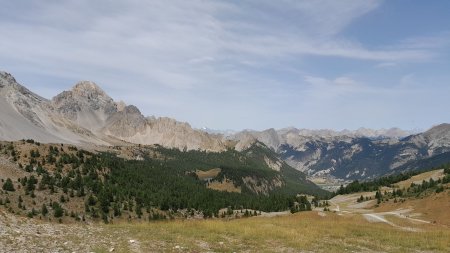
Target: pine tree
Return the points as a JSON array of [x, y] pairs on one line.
[[58, 211], [378, 196], [8, 185], [44, 210]]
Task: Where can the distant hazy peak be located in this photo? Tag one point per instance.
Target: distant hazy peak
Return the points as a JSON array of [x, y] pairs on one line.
[[439, 127], [440, 130], [360, 132]]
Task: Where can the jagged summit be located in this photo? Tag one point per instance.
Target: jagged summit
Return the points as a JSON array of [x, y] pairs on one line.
[[131, 109], [86, 104], [12, 87], [87, 88], [6, 78]]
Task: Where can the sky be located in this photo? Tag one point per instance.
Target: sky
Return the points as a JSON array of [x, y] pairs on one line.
[[242, 64]]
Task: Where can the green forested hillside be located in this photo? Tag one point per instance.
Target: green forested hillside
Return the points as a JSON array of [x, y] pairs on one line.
[[162, 184], [388, 181], [237, 165]]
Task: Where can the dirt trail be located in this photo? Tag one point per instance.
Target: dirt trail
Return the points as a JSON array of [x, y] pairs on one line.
[[347, 204], [379, 217]]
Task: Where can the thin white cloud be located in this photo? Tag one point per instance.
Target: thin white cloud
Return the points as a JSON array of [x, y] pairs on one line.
[[441, 40], [386, 65]]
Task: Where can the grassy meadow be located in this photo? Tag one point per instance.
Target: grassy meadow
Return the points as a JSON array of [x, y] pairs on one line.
[[302, 232]]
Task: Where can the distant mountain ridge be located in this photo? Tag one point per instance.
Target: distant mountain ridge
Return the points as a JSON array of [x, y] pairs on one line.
[[360, 132], [351, 157], [87, 115]]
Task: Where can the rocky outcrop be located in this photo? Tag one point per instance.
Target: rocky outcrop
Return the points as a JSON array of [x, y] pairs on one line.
[[261, 185], [125, 123]]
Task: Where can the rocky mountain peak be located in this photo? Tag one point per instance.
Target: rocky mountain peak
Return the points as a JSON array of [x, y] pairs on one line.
[[445, 127], [9, 82], [86, 104], [6, 78], [85, 94], [441, 131], [87, 89], [19, 97], [131, 109]]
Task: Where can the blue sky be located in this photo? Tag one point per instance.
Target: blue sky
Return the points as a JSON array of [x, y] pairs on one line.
[[242, 64]]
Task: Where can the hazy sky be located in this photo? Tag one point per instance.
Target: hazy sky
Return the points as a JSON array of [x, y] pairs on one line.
[[242, 64]]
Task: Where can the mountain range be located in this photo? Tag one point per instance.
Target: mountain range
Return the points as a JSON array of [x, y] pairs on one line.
[[86, 115], [352, 157]]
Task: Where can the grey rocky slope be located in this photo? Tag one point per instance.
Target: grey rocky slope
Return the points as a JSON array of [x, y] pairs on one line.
[[342, 156], [86, 114], [26, 115]]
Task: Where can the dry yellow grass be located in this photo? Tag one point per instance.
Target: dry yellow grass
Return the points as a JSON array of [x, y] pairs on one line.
[[226, 185], [207, 174], [292, 233], [435, 208], [417, 179]]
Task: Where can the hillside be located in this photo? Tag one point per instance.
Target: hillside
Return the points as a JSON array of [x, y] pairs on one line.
[[400, 201], [345, 230], [63, 182]]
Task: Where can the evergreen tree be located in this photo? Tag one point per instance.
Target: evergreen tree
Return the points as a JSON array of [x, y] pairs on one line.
[[58, 211], [44, 210], [8, 185]]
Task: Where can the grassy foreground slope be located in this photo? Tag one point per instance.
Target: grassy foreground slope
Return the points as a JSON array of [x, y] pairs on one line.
[[293, 233], [301, 232]]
